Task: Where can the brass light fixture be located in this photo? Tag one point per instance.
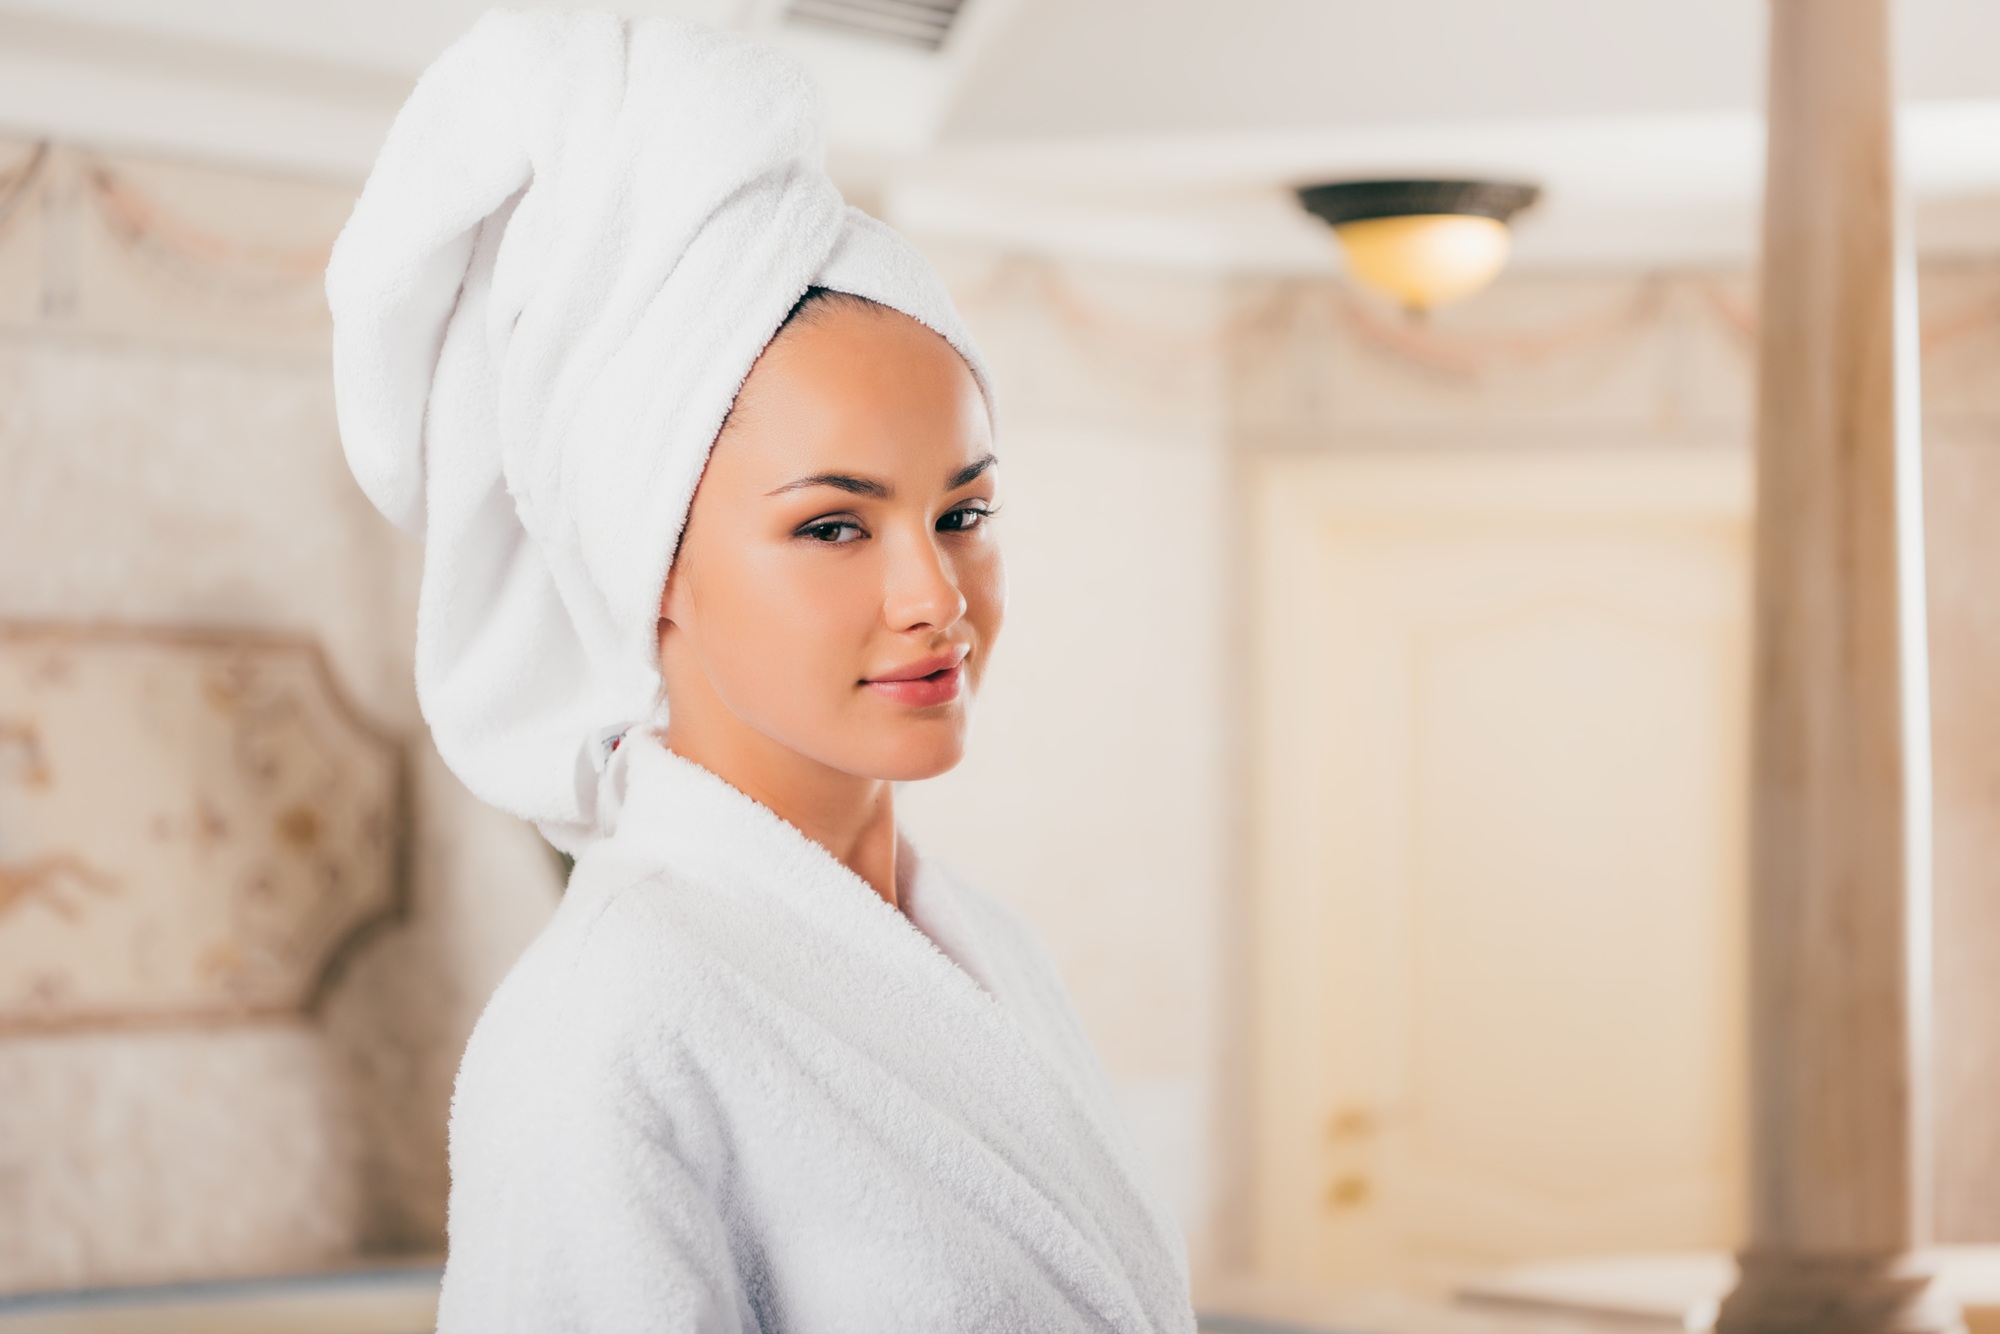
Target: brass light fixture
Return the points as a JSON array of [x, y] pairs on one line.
[[1421, 243]]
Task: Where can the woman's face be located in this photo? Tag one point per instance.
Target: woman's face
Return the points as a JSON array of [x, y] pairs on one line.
[[838, 587]]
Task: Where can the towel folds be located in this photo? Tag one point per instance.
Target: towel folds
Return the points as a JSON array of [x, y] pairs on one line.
[[581, 232]]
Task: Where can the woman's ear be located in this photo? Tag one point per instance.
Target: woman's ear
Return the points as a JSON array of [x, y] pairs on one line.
[[674, 609], [676, 603]]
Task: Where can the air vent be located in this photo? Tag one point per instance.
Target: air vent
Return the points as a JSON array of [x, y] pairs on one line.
[[919, 23]]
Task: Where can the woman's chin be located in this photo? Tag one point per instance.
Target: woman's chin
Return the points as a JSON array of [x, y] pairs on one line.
[[908, 759]]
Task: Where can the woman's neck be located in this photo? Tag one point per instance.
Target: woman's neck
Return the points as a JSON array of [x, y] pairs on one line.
[[852, 818]]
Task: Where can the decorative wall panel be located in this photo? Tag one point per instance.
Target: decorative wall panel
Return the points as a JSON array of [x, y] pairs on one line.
[[1499, 832], [191, 826]]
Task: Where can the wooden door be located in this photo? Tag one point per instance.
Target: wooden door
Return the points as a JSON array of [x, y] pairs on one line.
[[1498, 834]]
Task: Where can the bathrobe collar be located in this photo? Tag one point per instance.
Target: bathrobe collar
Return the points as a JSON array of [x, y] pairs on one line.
[[676, 811], [991, 1063]]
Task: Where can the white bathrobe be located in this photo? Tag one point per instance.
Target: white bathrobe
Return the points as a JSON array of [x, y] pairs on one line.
[[730, 1088]]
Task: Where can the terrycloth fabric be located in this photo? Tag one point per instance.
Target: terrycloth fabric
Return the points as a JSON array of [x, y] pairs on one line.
[[731, 1089], [579, 236]]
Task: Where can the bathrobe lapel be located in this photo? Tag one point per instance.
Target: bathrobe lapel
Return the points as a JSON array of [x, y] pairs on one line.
[[963, 1071]]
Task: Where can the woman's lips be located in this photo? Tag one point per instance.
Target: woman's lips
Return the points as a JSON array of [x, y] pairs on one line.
[[925, 683]]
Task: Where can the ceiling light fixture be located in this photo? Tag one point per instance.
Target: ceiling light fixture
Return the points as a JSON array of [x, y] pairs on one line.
[[1421, 243]]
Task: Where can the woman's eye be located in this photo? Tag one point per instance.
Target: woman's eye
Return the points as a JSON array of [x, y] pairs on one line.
[[964, 519], [834, 532]]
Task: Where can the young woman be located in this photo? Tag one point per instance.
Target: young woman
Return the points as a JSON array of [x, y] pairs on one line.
[[706, 467]]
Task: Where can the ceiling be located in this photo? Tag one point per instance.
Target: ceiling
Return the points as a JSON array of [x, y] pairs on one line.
[[1103, 67], [1159, 131]]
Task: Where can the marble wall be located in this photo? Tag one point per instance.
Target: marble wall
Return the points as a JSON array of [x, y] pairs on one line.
[[1597, 361], [1961, 305], [1095, 792], [168, 458], [1102, 793]]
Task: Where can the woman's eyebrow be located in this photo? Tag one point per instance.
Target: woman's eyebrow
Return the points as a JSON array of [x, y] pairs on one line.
[[840, 481], [969, 471]]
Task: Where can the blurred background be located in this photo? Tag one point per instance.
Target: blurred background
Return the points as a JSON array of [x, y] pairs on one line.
[[1391, 838]]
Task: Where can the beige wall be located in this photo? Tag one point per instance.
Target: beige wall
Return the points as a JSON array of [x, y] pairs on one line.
[[1543, 369], [168, 456], [1616, 361], [1962, 495], [1135, 402], [1092, 796]]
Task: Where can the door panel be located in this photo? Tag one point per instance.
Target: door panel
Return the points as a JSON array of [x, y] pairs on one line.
[[1500, 769]]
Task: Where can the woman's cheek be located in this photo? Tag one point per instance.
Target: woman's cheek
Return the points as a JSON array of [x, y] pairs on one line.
[[761, 635], [986, 598], [831, 618]]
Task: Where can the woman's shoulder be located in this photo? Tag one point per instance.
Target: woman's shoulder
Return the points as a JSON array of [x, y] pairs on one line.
[[617, 965], [615, 927], [589, 1065]]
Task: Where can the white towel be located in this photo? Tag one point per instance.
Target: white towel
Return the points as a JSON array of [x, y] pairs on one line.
[[579, 236], [730, 1089]]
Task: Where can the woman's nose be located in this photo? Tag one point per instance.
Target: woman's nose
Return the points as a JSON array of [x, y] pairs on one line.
[[922, 586]]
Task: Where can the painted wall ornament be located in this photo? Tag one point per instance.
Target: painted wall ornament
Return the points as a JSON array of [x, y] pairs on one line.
[[193, 826]]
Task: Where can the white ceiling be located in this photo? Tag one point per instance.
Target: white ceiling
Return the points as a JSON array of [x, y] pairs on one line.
[[1121, 67], [1157, 130], [1181, 66], [394, 36]]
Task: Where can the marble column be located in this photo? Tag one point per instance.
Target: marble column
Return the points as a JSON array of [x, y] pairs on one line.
[[1840, 822]]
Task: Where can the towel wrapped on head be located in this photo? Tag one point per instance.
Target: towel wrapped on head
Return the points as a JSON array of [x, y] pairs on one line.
[[581, 233]]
